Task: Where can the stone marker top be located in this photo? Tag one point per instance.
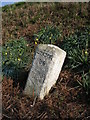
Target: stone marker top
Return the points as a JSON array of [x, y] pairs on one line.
[[46, 67], [50, 49]]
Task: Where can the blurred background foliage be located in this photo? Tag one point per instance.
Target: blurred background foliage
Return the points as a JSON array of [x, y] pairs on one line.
[[25, 19]]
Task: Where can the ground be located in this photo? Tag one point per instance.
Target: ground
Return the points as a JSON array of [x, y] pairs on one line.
[[66, 100]]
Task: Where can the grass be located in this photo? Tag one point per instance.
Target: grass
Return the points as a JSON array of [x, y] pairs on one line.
[[21, 18], [68, 98]]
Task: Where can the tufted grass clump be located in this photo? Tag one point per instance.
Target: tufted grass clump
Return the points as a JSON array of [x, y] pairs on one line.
[[77, 47], [86, 81], [47, 35], [16, 57]]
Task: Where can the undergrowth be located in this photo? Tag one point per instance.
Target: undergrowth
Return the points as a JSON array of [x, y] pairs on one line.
[[77, 47]]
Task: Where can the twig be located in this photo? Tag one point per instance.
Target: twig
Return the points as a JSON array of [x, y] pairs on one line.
[[27, 115], [40, 115], [6, 116], [43, 116], [61, 80], [74, 88], [9, 106], [88, 117], [34, 102]]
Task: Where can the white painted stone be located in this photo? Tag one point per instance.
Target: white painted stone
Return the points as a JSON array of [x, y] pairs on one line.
[[46, 67]]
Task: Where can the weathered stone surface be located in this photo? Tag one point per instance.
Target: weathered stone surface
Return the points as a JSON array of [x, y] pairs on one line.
[[47, 64]]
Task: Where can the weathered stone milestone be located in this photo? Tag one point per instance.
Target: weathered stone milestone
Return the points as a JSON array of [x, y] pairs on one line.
[[46, 67]]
